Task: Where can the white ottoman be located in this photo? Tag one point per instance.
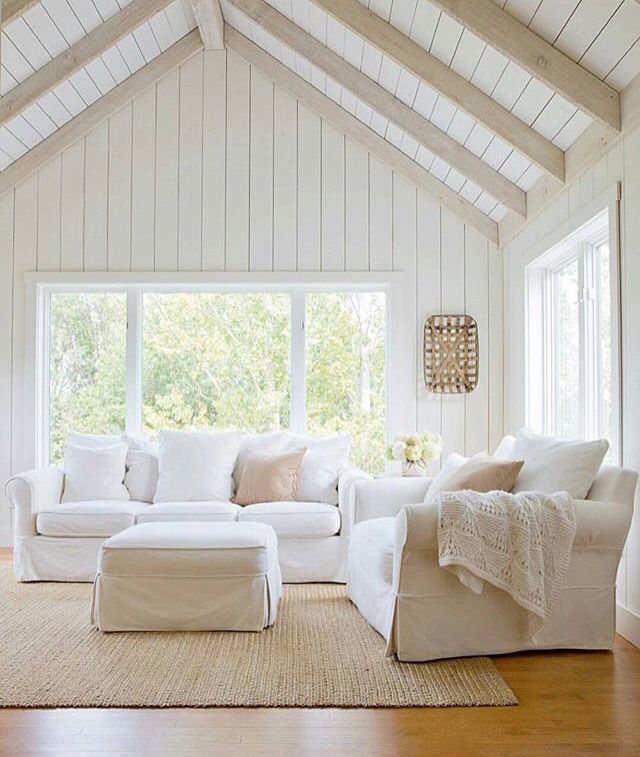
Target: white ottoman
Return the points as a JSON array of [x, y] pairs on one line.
[[188, 577]]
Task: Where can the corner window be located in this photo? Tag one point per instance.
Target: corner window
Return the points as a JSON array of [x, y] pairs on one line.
[[572, 337]]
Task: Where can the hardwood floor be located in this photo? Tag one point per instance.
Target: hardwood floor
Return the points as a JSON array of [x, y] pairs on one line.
[[570, 704]]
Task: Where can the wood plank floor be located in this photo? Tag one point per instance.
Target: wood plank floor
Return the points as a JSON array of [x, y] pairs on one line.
[[570, 704]]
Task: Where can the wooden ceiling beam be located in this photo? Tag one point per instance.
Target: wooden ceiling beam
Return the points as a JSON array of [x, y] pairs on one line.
[[11, 9], [382, 101], [505, 33], [455, 88], [210, 22], [77, 56], [106, 106], [349, 125], [590, 147]]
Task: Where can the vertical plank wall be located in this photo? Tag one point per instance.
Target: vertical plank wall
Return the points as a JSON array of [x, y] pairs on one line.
[[620, 164], [216, 169]]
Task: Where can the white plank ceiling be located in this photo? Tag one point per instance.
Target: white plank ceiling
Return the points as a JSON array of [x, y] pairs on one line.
[[50, 28], [603, 36]]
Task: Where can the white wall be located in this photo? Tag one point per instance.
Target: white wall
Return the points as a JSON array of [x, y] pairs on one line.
[[621, 164], [215, 169]]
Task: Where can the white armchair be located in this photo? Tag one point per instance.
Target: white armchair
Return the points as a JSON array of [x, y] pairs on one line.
[[380, 498], [425, 613]]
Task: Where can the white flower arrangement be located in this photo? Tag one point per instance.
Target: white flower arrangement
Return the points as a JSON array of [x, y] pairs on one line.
[[414, 451]]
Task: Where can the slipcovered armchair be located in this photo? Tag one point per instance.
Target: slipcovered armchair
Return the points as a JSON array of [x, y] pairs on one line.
[[425, 613], [379, 498]]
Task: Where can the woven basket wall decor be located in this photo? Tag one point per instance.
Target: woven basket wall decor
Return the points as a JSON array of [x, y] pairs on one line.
[[451, 354]]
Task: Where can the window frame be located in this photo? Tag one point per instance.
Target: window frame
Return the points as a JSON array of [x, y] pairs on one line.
[[541, 348], [40, 287]]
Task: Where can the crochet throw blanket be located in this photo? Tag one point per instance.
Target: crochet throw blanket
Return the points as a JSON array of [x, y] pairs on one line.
[[520, 543]]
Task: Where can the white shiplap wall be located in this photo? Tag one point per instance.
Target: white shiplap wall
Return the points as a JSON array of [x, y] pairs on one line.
[[215, 169], [620, 164]]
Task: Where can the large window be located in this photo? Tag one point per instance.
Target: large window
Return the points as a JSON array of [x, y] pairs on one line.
[[143, 359], [573, 337]]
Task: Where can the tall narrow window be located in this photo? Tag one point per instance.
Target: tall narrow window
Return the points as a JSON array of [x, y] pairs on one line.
[[566, 302], [87, 365], [573, 335]]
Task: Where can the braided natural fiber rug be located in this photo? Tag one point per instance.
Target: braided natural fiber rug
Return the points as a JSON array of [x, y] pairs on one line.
[[319, 653]]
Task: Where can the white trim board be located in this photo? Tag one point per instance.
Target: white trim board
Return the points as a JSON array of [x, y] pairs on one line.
[[605, 200], [211, 279], [628, 625]]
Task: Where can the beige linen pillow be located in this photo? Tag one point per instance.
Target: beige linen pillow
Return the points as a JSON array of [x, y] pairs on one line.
[[269, 477], [483, 474]]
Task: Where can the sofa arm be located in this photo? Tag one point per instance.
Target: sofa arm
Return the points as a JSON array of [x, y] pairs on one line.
[[601, 526], [347, 481], [614, 484], [31, 492], [417, 527], [381, 498]]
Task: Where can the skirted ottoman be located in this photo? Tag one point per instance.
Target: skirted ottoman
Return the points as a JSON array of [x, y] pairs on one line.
[[188, 577]]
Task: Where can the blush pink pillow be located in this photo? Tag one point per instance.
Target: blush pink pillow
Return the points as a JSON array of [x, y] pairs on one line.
[[269, 477]]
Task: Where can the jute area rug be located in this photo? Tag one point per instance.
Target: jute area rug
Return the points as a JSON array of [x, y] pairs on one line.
[[319, 653]]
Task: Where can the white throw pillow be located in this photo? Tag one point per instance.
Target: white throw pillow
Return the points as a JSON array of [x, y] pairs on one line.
[[451, 464], [504, 450], [94, 473], [141, 464], [325, 458], [553, 465], [141, 478], [196, 467]]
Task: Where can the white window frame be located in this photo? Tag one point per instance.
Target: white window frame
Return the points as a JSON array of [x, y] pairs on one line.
[[580, 244], [40, 287]]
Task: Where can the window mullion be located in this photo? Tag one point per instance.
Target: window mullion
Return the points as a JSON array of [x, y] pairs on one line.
[[297, 363], [133, 392], [43, 413], [589, 350]]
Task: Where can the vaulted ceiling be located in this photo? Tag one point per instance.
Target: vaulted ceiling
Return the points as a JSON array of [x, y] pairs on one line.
[[477, 101]]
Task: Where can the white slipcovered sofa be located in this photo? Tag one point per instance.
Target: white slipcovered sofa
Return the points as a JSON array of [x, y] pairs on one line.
[[425, 613], [60, 541]]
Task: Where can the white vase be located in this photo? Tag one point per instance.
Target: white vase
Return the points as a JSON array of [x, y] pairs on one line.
[[413, 469]]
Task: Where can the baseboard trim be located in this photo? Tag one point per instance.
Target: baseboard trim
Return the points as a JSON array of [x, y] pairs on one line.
[[628, 625], [5, 537]]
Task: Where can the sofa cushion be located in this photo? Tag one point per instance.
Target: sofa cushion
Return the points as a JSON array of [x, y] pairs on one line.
[[325, 458], [173, 512], [294, 520], [101, 517], [552, 465], [269, 477], [94, 473], [195, 466], [141, 478], [270, 443]]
